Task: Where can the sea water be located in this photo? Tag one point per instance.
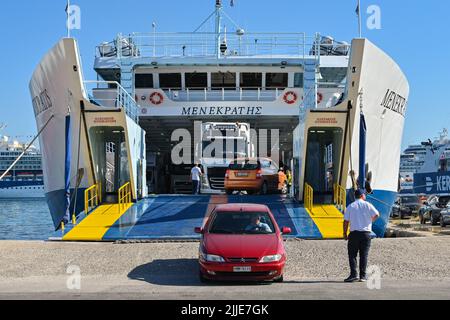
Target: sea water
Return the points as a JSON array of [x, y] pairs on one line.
[[25, 219]]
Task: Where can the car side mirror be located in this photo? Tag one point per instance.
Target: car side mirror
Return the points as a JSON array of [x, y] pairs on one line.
[[426, 203], [198, 230], [286, 230]]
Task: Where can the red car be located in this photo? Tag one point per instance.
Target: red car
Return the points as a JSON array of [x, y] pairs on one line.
[[242, 242]]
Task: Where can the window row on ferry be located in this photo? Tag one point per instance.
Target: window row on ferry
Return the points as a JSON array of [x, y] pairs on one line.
[[218, 81]]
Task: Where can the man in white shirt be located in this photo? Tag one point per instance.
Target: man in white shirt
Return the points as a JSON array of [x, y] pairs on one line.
[[360, 216], [196, 174]]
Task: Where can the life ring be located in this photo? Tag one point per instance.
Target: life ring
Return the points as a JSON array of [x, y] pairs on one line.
[[290, 97], [319, 97], [156, 98]]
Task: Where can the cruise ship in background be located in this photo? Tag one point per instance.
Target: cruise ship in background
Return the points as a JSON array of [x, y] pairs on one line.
[[425, 160], [25, 180]]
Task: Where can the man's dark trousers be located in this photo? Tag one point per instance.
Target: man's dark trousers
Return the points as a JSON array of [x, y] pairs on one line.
[[359, 242], [195, 187]]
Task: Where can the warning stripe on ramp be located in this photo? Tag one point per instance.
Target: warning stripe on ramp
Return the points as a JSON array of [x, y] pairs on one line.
[[329, 220]]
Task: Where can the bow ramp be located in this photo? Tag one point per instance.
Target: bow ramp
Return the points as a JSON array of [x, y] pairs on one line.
[[174, 217]]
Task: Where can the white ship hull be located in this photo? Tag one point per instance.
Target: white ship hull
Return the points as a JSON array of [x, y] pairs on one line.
[[25, 192]]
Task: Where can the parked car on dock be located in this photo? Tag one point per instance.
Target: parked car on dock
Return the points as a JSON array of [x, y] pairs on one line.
[[260, 175], [405, 206], [431, 210], [444, 217], [242, 242]]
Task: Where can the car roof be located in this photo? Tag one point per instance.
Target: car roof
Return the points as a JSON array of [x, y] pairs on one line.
[[244, 207]]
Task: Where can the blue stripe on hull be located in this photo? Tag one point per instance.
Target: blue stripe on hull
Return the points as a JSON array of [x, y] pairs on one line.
[[383, 201], [56, 202]]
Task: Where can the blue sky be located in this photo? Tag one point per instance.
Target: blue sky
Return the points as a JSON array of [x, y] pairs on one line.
[[414, 33]]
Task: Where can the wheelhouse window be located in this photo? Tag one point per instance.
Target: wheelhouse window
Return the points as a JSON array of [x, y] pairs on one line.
[[251, 81], [170, 80], [225, 80], [143, 81], [196, 80], [276, 81]]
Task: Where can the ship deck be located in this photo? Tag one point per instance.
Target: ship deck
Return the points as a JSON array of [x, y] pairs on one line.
[[174, 217]]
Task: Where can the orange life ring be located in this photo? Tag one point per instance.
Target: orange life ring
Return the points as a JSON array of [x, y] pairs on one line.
[[290, 97], [156, 98]]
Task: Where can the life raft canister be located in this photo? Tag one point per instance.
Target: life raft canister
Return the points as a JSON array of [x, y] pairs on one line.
[[290, 97], [156, 98]]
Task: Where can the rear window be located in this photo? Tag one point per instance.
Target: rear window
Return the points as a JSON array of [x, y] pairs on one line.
[[410, 200], [444, 200], [245, 165], [242, 223]]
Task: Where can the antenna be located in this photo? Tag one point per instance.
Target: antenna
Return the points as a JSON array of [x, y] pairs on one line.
[[68, 17]]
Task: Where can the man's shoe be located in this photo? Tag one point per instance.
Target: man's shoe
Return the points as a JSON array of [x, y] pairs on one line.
[[351, 279], [363, 279]]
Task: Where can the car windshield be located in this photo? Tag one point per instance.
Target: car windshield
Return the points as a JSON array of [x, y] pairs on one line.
[[242, 223]]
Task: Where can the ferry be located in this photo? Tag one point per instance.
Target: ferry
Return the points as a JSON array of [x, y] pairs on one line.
[[331, 111], [425, 166], [25, 180]]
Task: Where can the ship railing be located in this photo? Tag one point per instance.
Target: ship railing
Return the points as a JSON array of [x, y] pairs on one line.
[[110, 94], [340, 197], [92, 198], [124, 196], [224, 94], [309, 198], [204, 44]]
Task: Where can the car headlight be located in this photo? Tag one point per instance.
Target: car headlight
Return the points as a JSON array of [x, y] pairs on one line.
[[214, 258], [274, 258], [211, 258]]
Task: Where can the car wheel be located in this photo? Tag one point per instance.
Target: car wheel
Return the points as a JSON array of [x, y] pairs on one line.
[[264, 189], [202, 278], [442, 223], [421, 219], [280, 279], [433, 221]]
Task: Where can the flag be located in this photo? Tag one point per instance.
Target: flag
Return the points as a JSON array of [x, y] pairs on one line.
[[357, 9], [232, 3]]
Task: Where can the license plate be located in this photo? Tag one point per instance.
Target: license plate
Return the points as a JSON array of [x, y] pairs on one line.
[[242, 174], [242, 269]]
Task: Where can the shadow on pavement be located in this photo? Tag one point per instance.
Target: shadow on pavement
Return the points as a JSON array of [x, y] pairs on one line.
[[177, 272]]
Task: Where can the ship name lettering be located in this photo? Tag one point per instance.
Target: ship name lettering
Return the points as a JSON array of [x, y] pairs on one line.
[[222, 111], [395, 102]]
